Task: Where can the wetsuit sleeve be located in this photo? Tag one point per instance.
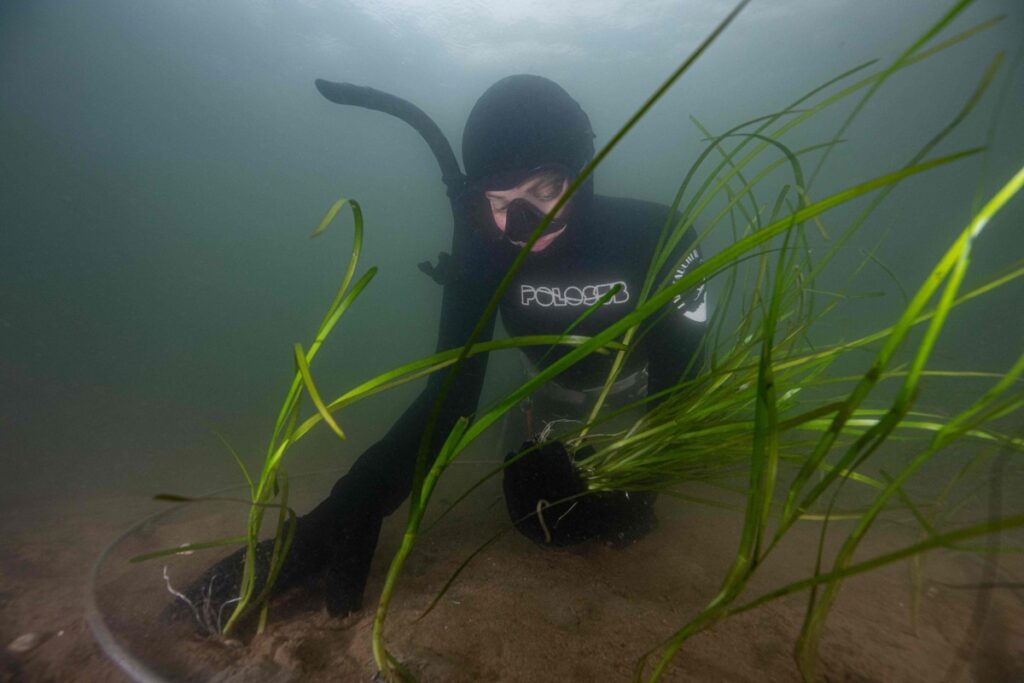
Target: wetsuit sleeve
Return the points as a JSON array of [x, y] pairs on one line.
[[674, 348], [381, 477]]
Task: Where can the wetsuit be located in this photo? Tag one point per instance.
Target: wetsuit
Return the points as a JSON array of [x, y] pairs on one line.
[[611, 243], [612, 247]]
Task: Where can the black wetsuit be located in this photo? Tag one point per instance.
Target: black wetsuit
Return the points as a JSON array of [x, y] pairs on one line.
[[610, 242], [613, 247]]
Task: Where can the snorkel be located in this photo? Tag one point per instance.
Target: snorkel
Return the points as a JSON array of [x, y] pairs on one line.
[[454, 179], [519, 125], [369, 98]]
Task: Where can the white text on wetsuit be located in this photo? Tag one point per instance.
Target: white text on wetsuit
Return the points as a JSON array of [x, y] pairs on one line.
[[572, 295]]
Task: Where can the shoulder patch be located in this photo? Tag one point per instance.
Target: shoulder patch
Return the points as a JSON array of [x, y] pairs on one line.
[[692, 302]]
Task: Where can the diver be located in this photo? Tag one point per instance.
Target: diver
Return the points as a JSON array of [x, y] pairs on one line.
[[524, 142]]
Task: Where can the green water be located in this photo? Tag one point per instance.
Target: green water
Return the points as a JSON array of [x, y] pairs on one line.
[[162, 165]]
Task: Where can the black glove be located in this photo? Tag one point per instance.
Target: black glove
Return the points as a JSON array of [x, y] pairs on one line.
[[540, 478], [535, 483], [628, 516], [338, 536]]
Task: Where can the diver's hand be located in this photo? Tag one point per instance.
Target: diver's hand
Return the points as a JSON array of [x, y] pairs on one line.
[[336, 537], [210, 598], [542, 476], [628, 517], [352, 541], [545, 496]]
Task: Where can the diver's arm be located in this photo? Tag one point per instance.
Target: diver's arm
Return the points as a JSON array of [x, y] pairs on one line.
[[382, 476], [675, 349], [340, 534], [348, 522]]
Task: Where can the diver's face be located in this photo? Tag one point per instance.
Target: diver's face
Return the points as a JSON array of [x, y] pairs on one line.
[[543, 190]]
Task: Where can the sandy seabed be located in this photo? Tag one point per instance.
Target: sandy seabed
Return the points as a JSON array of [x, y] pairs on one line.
[[517, 613]]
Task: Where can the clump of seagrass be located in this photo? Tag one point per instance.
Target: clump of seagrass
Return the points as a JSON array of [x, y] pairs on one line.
[[745, 412]]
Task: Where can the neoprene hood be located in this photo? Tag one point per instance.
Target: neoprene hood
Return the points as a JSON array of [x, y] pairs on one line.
[[520, 123]]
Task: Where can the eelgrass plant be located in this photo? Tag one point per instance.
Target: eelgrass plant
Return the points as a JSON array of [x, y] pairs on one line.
[[743, 412]]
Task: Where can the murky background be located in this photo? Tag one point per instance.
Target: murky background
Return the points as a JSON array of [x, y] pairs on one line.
[[163, 163]]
